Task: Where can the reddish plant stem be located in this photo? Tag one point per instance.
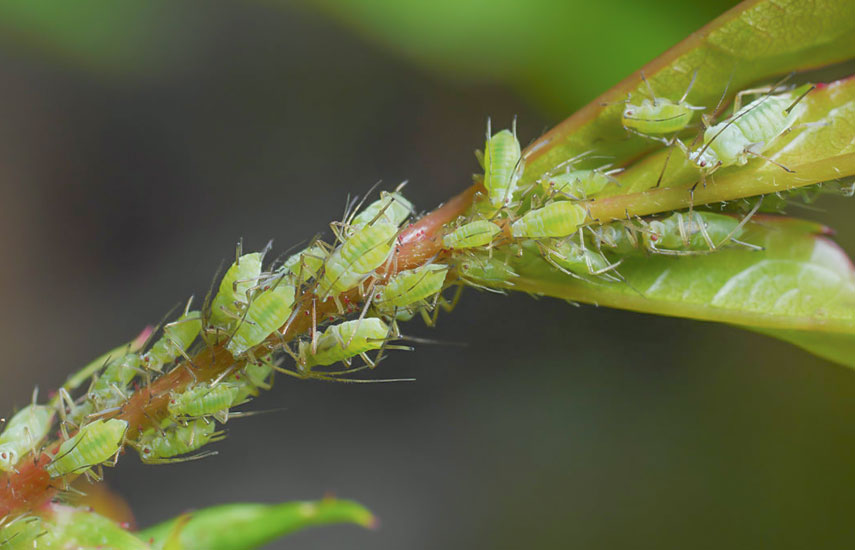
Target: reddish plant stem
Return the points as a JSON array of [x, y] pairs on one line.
[[31, 487]]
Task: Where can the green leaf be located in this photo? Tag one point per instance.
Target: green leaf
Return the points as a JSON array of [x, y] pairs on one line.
[[250, 525], [754, 41], [800, 287], [116, 37], [820, 149], [66, 527]]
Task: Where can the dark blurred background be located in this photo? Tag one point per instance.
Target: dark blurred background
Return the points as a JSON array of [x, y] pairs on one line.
[[140, 140]]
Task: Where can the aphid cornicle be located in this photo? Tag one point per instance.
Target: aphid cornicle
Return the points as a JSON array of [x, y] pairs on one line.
[[503, 166], [268, 310], [166, 445], [94, 444], [343, 341], [409, 287], [232, 297], [24, 433], [556, 219], [690, 232], [359, 255], [471, 235], [750, 130], [203, 399], [177, 337]]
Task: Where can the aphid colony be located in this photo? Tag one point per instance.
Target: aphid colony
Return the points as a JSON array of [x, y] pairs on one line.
[[551, 213], [357, 278], [247, 316]]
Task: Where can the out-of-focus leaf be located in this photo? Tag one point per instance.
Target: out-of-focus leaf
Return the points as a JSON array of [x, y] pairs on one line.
[[250, 525], [113, 37], [67, 527], [754, 41], [800, 287], [559, 52]]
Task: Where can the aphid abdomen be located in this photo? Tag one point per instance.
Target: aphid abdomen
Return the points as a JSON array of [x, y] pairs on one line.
[[232, 298], [557, 219], [177, 337], [24, 433], [409, 287], [345, 340], [659, 118], [693, 231], [204, 399], [267, 311], [767, 120], [575, 258], [502, 167], [481, 268], [306, 264], [358, 256], [176, 440], [471, 235], [95, 443], [577, 184]]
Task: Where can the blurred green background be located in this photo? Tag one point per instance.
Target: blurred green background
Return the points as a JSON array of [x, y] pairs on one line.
[[140, 140]]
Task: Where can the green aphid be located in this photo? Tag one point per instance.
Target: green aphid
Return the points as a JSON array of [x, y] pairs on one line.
[[484, 271], [503, 167], [357, 257], [574, 258], [579, 184], [750, 131], [93, 444], [233, 295], [306, 264], [24, 433], [166, 445], [342, 342], [205, 400], [687, 233], [658, 116], [619, 237], [176, 339], [268, 310], [471, 235], [391, 208], [410, 287], [556, 219]]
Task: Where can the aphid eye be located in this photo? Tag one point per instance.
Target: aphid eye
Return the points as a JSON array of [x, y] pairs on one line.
[[629, 113], [703, 163]]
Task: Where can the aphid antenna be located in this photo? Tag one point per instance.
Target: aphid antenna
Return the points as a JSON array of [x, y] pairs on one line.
[[689, 88], [351, 213], [198, 456], [247, 414], [770, 161]]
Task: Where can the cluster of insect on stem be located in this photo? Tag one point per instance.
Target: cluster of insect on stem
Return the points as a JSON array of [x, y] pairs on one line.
[[332, 310], [551, 215]]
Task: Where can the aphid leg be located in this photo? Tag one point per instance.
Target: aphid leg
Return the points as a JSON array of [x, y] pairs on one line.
[[749, 151], [740, 225]]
